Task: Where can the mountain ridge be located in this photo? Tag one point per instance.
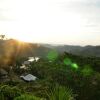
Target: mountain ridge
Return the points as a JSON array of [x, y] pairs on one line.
[[24, 49]]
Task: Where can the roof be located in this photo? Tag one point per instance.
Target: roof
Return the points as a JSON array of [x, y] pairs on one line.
[[29, 77], [26, 62]]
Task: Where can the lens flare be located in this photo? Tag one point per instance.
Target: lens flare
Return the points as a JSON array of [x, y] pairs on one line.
[[52, 55], [74, 65], [67, 61]]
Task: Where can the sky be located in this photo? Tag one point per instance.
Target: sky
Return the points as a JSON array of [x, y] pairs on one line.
[[73, 22]]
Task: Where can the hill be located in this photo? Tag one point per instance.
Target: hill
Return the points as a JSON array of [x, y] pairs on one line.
[[93, 51], [13, 49]]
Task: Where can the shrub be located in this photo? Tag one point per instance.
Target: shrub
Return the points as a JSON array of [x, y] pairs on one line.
[[8, 93], [60, 93], [27, 97]]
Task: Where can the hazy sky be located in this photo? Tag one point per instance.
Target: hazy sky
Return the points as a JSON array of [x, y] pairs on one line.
[[52, 21]]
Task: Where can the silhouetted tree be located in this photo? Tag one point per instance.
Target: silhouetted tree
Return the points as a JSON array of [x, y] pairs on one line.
[[2, 37]]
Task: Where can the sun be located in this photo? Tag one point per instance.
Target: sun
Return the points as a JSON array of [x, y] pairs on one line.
[[22, 37]]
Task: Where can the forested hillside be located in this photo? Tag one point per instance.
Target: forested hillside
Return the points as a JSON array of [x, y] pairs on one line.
[[87, 51], [59, 77]]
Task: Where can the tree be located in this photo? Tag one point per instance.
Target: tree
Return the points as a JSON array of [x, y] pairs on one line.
[[2, 37]]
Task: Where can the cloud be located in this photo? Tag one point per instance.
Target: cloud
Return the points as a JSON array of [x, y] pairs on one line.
[[51, 20], [4, 11], [87, 9], [2, 16]]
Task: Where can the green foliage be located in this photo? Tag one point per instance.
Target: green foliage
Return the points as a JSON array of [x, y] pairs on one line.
[[80, 73], [8, 92], [60, 93], [87, 70], [28, 97]]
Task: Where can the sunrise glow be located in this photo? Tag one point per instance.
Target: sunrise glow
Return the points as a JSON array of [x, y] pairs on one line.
[[51, 21]]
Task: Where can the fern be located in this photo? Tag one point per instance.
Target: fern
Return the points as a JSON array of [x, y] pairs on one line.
[[60, 93]]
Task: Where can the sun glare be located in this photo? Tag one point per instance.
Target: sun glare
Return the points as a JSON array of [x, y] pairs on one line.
[[20, 36], [24, 39], [47, 21]]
